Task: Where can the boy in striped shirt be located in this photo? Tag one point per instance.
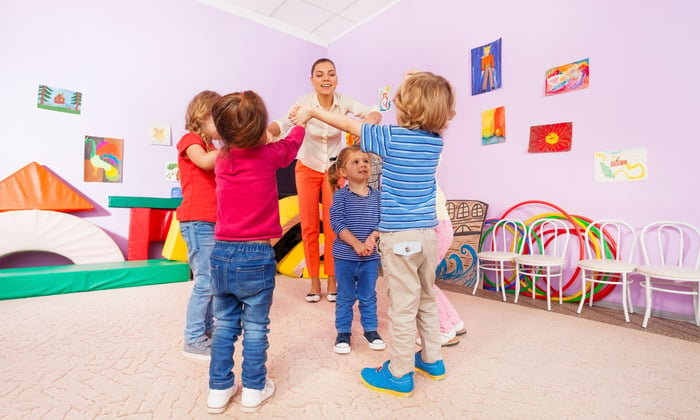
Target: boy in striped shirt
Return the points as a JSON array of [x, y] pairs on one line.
[[410, 152]]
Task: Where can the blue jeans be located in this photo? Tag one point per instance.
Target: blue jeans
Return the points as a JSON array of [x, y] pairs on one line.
[[243, 278], [357, 281], [199, 237]]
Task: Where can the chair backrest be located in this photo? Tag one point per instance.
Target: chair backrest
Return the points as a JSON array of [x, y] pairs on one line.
[[508, 235], [671, 243], [549, 236], [610, 239]]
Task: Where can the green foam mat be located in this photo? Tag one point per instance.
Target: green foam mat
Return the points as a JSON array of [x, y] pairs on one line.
[[41, 281]]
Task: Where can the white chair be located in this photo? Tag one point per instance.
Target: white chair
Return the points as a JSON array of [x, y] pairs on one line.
[[507, 241], [548, 241], [671, 252], [609, 250]]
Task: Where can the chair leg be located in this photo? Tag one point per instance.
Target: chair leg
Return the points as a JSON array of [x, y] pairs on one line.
[[629, 293], [583, 291], [561, 295], [695, 305], [647, 312], [478, 277], [503, 279], [625, 296], [549, 290], [517, 282]]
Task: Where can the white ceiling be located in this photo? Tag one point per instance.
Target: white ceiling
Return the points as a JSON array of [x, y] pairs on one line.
[[317, 21]]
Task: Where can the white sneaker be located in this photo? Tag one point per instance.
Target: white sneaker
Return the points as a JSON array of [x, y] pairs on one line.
[[446, 339], [459, 328], [253, 399], [218, 399]]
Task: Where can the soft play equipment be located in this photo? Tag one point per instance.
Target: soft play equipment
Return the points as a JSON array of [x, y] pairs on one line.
[[289, 249], [35, 187], [64, 234], [32, 219], [149, 221], [41, 281], [175, 247]]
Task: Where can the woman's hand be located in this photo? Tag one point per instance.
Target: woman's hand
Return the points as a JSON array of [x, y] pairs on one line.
[[300, 115]]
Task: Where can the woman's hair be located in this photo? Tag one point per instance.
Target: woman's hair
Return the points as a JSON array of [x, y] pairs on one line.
[[240, 119], [199, 109], [425, 101], [340, 162], [319, 61]]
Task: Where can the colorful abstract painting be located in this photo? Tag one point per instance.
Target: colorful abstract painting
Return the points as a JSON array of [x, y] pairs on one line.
[[493, 126], [458, 268], [159, 134], [57, 99], [572, 76], [486, 67], [103, 159], [550, 138], [620, 165]]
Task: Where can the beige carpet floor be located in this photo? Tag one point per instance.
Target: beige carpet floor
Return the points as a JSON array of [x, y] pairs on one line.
[[117, 354]]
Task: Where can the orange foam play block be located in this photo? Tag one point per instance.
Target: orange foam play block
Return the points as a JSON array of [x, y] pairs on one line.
[[36, 188]]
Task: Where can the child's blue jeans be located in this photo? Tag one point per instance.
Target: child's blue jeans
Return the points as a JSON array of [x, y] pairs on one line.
[[357, 281], [243, 278], [199, 237]]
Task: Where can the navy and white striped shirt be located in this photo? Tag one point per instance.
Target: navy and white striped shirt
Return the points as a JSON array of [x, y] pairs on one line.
[[360, 215], [410, 160]]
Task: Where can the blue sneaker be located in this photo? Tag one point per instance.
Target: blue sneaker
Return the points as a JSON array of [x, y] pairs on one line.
[[435, 370], [380, 379]]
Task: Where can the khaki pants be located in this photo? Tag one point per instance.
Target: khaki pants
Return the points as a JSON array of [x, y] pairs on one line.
[[408, 262]]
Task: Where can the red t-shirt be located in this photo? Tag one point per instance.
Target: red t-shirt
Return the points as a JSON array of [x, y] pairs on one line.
[[198, 185], [246, 187]]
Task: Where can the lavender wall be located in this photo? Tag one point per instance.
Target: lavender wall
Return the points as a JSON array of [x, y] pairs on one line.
[[136, 63], [642, 94]]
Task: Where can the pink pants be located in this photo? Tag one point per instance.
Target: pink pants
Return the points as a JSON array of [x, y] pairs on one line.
[[446, 312]]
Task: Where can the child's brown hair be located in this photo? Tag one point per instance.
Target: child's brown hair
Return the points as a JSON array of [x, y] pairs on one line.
[[339, 163], [198, 110], [425, 101], [240, 119]]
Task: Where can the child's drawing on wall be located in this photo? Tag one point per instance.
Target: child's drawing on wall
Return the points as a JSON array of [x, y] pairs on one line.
[[493, 126], [103, 159], [572, 76], [159, 134], [550, 138], [57, 99], [620, 165], [486, 67]]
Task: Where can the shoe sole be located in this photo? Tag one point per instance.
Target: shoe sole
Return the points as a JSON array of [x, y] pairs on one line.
[[451, 343], [375, 346], [219, 410], [195, 356], [433, 377], [312, 298], [248, 409], [342, 350], [461, 332], [386, 391]]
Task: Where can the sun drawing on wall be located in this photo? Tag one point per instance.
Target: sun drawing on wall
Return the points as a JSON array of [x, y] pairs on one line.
[[550, 138]]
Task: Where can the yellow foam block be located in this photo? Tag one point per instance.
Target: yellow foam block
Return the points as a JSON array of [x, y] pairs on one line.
[[294, 265], [175, 248]]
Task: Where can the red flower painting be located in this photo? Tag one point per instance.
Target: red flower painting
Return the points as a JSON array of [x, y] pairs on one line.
[[550, 138]]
